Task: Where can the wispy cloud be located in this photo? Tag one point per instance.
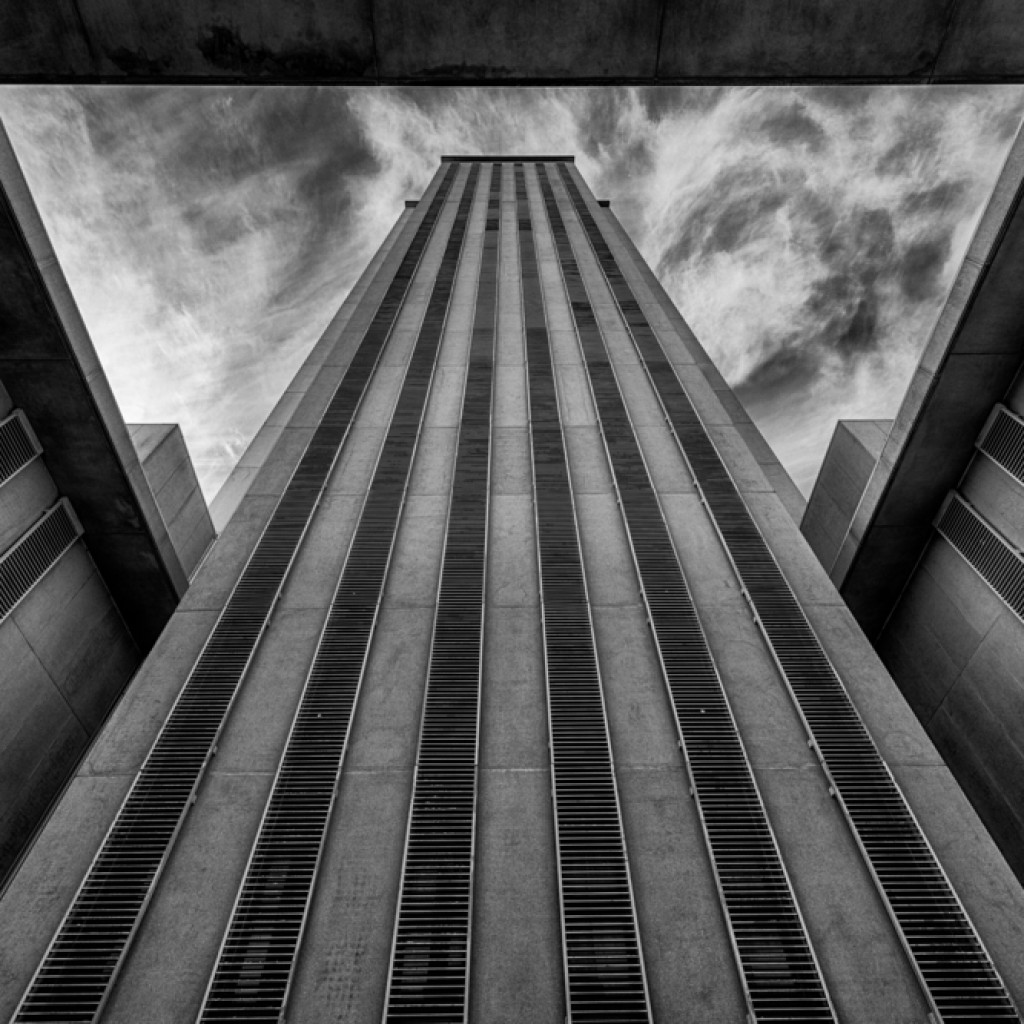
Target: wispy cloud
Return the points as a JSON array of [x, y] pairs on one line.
[[808, 235]]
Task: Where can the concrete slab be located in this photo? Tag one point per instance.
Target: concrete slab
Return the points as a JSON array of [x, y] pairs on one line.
[[863, 962], [514, 726], [516, 969], [382, 41], [685, 943], [385, 729], [510, 461], [342, 973], [192, 905], [512, 578]]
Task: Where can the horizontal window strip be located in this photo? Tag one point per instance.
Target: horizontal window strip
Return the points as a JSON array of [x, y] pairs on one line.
[[18, 445], [988, 552], [29, 559], [1003, 441]]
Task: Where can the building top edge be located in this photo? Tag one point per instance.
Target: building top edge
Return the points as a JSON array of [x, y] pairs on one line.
[[525, 158]]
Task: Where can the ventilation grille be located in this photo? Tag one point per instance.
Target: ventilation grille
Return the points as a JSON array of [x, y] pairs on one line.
[[603, 962], [18, 446], [955, 971], [25, 563], [780, 972], [74, 979], [1004, 441], [257, 957], [430, 962], [1000, 565]]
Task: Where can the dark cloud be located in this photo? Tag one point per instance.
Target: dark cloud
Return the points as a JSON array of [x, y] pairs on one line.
[[932, 200], [791, 125], [786, 372], [729, 213], [920, 271]]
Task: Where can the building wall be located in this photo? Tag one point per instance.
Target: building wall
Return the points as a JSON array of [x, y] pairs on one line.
[[956, 649], [852, 453], [517, 970], [172, 479], [65, 656]]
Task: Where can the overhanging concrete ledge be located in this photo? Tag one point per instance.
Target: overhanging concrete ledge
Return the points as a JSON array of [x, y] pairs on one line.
[[50, 368], [488, 42], [971, 360]]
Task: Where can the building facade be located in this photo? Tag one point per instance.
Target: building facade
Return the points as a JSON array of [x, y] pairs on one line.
[[511, 692]]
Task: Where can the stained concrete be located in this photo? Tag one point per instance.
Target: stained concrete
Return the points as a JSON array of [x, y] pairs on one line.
[[172, 479], [478, 43]]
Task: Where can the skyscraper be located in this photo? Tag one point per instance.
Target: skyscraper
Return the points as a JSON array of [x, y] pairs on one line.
[[512, 693]]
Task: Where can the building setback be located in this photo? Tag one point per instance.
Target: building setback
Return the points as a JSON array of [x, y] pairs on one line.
[[511, 692], [90, 572]]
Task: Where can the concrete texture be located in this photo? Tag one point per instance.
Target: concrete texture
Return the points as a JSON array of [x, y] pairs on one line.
[[391, 42], [172, 478], [50, 370]]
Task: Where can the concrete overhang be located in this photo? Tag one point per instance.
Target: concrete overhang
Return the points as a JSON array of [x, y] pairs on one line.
[[487, 42], [972, 358], [50, 368]]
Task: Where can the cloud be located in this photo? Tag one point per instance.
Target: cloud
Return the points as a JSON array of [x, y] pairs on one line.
[[807, 235]]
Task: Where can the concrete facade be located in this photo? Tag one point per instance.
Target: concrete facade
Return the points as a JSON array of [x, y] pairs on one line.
[[66, 655], [848, 464], [473, 43], [951, 640], [517, 971], [172, 479]]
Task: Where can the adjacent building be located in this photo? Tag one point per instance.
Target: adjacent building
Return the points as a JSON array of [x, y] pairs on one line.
[[91, 567], [511, 692], [921, 527]]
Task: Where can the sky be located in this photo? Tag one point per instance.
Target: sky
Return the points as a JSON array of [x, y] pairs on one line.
[[808, 235]]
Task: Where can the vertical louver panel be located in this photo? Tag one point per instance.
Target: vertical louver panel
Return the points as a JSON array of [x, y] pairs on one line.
[[18, 445], [779, 970], [25, 563], [1003, 441], [956, 974], [257, 957], [1000, 565], [73, 980], [604, 969], [429, 978]]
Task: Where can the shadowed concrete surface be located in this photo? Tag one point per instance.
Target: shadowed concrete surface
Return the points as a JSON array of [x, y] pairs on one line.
[[172, 479], [511, 41]]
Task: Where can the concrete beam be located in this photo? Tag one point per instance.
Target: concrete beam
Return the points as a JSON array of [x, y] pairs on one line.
[[970, 362], [51, 371], [511, 41]]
